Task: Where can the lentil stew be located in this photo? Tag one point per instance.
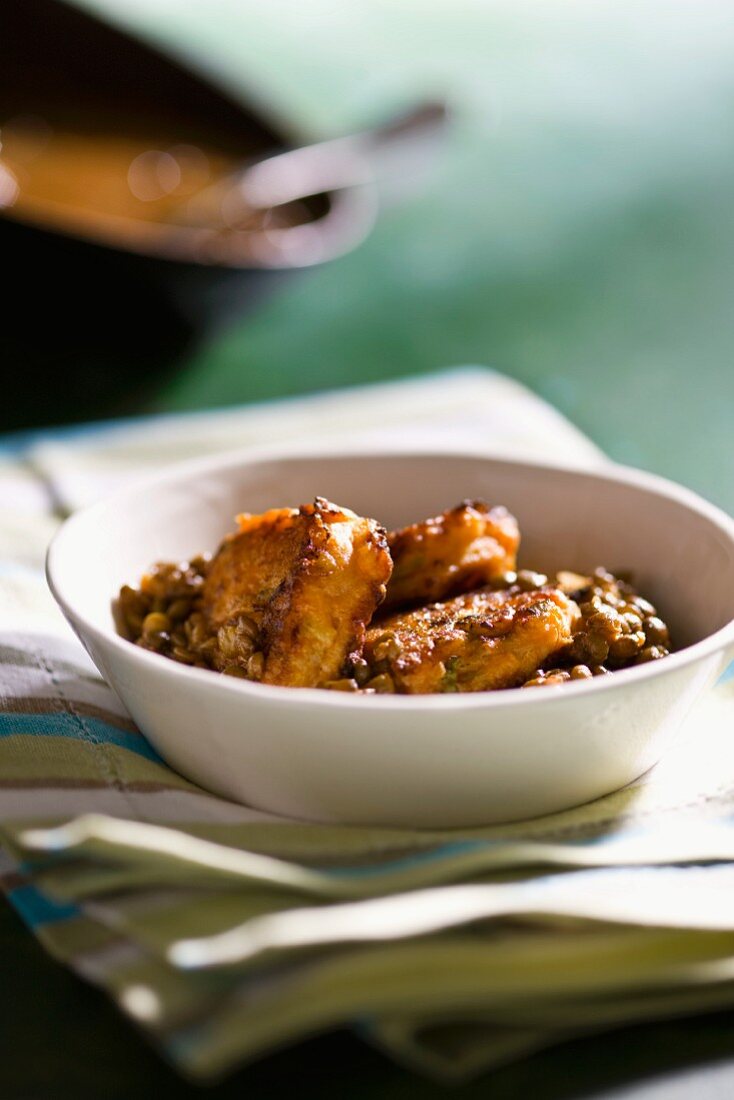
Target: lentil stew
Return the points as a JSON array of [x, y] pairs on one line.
[[297, 597]]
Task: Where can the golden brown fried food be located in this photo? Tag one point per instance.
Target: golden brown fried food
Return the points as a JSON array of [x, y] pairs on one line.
[[251, 564], [477, 642], [464, 548], [292, 592]]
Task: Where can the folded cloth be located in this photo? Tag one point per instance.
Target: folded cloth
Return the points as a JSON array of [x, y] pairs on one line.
[[225, 932]]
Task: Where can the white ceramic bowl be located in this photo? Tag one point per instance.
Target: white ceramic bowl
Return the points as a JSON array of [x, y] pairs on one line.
[[401, 760]]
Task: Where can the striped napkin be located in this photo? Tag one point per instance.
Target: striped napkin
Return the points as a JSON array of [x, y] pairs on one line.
[[225, 932]]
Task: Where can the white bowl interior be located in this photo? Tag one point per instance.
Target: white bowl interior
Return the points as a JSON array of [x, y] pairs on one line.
[[679, 552]]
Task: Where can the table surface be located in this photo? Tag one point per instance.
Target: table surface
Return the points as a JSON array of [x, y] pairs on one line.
[[576, 233]]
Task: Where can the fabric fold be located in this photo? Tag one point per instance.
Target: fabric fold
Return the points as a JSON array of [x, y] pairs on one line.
[[452, 951]]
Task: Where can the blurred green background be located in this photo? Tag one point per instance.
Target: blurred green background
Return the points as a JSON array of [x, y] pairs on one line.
[[574, 231]]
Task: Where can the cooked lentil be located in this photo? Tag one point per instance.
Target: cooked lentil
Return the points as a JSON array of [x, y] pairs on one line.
[[618, 628]]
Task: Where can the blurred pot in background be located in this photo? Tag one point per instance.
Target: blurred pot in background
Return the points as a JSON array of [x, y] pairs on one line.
[[140, 206]]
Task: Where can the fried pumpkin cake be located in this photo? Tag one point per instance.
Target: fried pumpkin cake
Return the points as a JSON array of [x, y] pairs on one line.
[[480, 641], [291, 593], [463, 548]]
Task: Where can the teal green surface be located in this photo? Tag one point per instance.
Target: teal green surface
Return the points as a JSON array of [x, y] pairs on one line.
[[576, 230]]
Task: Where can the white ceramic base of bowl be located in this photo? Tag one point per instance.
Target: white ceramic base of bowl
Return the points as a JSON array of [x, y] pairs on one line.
[[432, 761]]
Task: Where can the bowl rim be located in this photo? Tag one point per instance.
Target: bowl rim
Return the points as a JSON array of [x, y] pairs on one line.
[[606, 471]]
